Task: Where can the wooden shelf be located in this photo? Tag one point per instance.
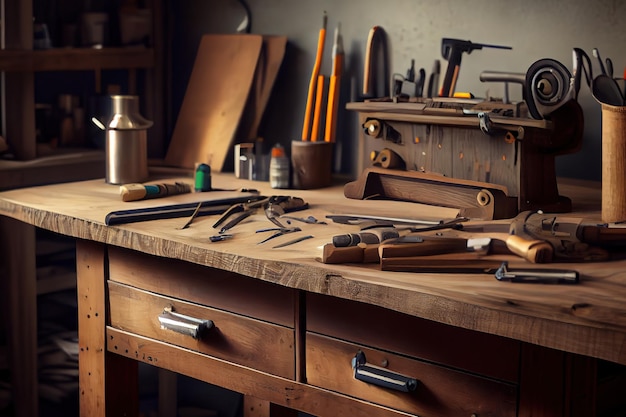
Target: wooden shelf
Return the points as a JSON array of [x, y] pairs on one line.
[[76, 59], [66, 165]]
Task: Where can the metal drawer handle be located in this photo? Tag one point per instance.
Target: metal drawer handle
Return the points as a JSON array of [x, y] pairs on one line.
[[181, 323], [380, 376]]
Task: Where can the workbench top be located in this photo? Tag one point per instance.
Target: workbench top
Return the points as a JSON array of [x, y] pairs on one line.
[[588, 318]]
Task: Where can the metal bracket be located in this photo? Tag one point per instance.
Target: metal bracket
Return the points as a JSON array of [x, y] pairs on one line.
[[491, 128]]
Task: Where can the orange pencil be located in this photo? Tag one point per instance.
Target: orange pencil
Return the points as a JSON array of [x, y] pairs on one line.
[[333, 90], [317, 114], [312, 84]]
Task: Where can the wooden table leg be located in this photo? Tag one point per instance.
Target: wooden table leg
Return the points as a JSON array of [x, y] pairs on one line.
[[117, 394], [168, 399], [19, 289]]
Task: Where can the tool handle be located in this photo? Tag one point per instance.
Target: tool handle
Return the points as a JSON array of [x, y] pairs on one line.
[[368, 67], [332, 254], [535, 251], [371, 236], [134, 192]]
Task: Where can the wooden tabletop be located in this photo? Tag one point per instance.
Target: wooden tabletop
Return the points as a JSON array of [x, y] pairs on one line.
[[588, 318]]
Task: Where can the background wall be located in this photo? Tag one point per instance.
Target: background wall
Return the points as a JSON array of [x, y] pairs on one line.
[[535, 29]]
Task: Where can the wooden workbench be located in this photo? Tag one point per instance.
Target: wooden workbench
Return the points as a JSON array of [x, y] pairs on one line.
[[285, 320]]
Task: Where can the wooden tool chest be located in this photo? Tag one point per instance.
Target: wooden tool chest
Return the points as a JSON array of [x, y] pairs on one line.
[[476, 144]]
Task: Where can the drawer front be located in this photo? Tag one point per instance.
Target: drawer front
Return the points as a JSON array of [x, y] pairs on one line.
[[480, 353], [203, 285], [440, 392], [235, 338]]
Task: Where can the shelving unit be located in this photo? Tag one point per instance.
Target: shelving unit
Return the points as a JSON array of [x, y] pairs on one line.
[[20, 64]]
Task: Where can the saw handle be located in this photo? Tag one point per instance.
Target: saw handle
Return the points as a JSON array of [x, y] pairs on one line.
[[535, 251]]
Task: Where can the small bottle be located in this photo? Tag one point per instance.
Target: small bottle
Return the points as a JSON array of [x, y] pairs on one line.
[[203, 178], [247, 164], [279, 168]]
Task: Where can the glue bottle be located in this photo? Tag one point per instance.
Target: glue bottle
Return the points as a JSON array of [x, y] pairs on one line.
[[279, 168]]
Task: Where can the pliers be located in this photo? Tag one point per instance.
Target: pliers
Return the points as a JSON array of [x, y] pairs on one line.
[[274, 205], [243, 210]]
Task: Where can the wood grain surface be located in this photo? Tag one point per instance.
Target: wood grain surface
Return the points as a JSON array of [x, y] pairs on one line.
[[589, 318]]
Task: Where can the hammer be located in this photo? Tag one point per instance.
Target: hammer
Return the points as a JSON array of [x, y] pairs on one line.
[[516, 239]]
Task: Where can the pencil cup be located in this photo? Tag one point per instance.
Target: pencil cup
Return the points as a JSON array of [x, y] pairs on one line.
[[613, 163], [312, 164]]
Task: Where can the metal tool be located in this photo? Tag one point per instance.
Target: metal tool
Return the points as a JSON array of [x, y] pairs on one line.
[[359, 219], [193, 216], [273, 212], [235, 221], [452, 50], [219, 238], [581, 66], [411, 85], [606, 70], [606, 90], [280, 231], [240, 207], [506, 78], [571, 238], [273, 217], [274, 203], [308, 219], [433, 80], [541, 276], [291, 242]]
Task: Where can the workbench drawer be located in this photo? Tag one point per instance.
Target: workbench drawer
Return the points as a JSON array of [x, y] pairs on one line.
[[204, 285], [232, 337], [404, 383], [364, 324]]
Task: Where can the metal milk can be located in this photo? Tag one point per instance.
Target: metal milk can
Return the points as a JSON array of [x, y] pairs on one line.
[[126, 142]]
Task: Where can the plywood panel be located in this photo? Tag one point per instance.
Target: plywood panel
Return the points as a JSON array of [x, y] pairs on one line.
[[215, 99]]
